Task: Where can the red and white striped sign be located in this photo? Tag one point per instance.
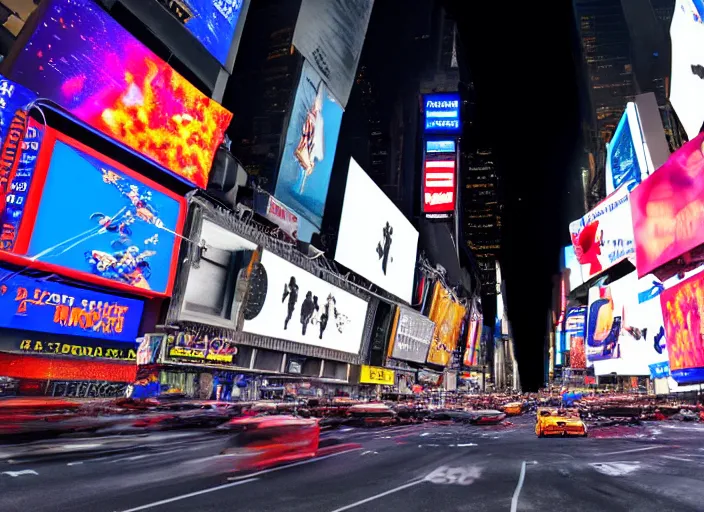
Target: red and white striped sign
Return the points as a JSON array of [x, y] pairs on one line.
[[439, 186]]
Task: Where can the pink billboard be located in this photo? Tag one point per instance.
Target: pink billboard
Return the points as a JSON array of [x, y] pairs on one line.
[[668, 209]]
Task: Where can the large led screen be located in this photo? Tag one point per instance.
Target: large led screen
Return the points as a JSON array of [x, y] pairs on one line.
[[32, 304], [93, 219], [286, 302], [413, 336], [82, 59], [439, 176], [212, 22], [687, 78], [625, 157], [330, 35], [636, 326], [668, 209], [604, 236], [309, 151], [575, 330], [375, 239], [572, 266], [442, 113], [448, 316], [682, 307]]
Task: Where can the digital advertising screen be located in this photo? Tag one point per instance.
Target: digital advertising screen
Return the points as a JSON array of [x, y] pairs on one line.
[[641, 336], [330, 35], [378, 242], [212, 22], [20, 152], [94, 220], [413, 336], [625, 157], [439, 187], [442, 113], [309, 152], [448, 316], [82, 59], [571, 265], [200, 348], [33, 304], [474, 336], [288, 303], [682, 307], [440, 146], [668, 209], [604, 236]]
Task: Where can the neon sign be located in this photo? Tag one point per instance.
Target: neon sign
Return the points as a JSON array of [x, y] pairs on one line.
[[34, 305], [442, 113]]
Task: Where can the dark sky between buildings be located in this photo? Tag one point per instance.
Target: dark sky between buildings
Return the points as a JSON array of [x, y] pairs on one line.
[[522, 60]]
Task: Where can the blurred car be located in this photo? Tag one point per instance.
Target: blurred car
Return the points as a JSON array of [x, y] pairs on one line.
[[513, 408], [33, 415], [264, 441], [371, 415], [559, 422], [487, 417]]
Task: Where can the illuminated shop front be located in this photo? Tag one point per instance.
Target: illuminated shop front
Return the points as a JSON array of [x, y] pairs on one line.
[[62, 340]]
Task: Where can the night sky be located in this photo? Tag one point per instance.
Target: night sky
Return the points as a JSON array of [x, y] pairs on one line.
[[522, 61]]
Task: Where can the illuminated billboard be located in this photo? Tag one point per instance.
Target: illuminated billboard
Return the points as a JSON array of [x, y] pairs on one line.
[[95, 220], [309, 152], [378, 242], [442, 113], [82, 59], [571, 265], [604, 236], [440, 146], [448, 316], [212, 22], [287, 303], [668, 209], [31, 304], [439, 186], [330, 35]]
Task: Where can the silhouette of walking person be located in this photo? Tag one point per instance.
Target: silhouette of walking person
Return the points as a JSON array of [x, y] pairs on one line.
[[290, 291]]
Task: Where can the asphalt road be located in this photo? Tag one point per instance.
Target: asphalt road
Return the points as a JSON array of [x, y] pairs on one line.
[[658, 467]]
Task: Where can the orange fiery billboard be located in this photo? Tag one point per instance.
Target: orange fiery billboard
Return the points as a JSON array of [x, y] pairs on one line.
[[447, 315]]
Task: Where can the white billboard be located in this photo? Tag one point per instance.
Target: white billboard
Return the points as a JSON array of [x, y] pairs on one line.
[[375, 239], [288, 303], [687, 78], [604, 236]]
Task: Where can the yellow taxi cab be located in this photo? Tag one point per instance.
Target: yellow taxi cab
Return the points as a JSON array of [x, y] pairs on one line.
[[559, 422], [513, 408]]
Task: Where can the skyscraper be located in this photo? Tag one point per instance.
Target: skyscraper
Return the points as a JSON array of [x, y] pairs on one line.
[[482, 213]]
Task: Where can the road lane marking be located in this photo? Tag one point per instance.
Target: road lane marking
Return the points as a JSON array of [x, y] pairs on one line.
[[190, 495], [634, 450], [671, 457], [467, 444], [301, 463], [462, 475], [519, 486], [377, 496], [15, 474], [616, 468]]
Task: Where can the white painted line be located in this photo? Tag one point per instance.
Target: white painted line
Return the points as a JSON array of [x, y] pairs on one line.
[[78, 463], [671, 457], [519, 486], [377, 496], [631, 451], [20, 473], [467, 444], [301, 463], [190, 495]]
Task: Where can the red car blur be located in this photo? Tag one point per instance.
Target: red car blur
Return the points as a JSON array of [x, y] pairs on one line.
[[264, 441]]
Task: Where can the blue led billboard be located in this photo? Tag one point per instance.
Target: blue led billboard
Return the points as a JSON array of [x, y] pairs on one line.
[[440, 146], [32, 304], [442, 113]]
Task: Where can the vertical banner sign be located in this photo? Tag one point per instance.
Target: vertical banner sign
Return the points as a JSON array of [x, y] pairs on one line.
[[604, 236], [280, 215]]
